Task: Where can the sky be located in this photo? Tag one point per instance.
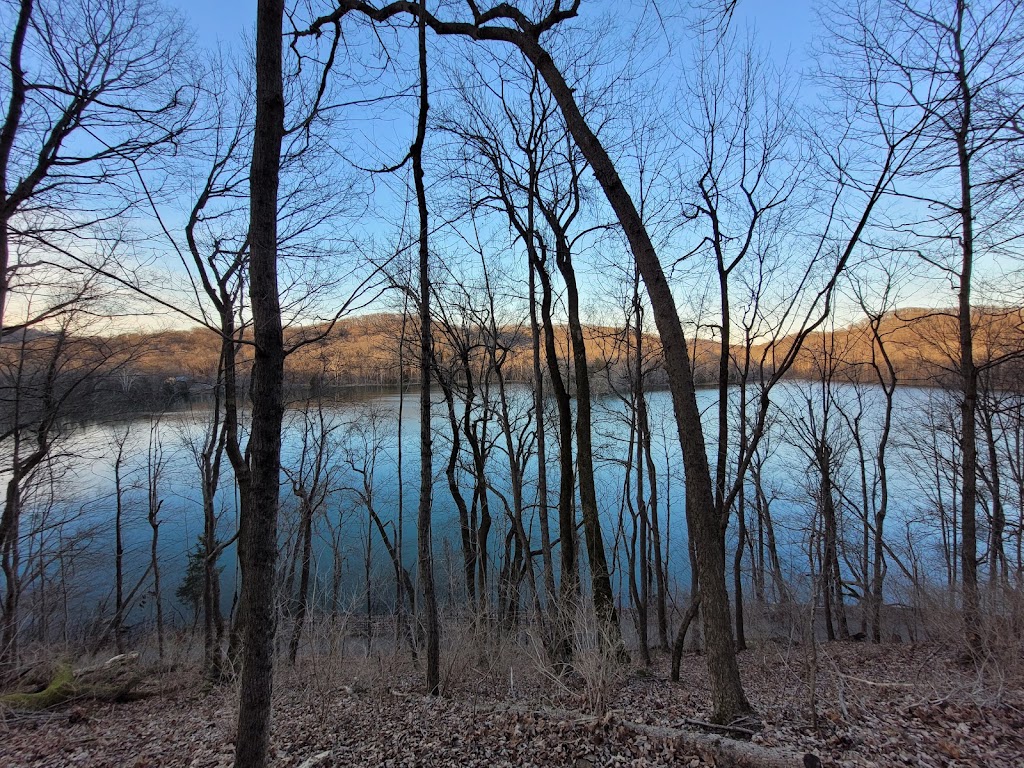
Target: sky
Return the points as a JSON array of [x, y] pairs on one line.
[[785, 27], [782, 24], [219, 20]]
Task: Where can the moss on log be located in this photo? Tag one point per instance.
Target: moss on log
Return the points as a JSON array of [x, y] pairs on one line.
[[110, 681], [61, 688]]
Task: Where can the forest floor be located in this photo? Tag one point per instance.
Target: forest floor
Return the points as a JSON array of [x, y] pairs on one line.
[[889, 705]]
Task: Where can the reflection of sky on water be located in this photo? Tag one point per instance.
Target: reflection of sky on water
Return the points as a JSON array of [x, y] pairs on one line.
[[86, 490]]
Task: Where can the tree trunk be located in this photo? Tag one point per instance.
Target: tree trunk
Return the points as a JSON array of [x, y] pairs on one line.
[[209, 466], [601, 583], [12, 587], [569, 586], [737, 573], [968, 373], [542, 469], [423, 522], [644, 437], [684, 627], [12, 122], [155, 503], [997, 518], [882, 510], [467, 528], [302, 598], [118, 623], [729, 701], [258, 525], [521, 564]]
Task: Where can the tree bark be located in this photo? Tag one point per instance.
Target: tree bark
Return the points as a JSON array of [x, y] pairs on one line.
[[306, 534], [209, 461], [258, 526], [968, 373], [644, 442], [118, 623], [423, 518], [600, 579], [153, 470], [467, 527], [569, 558], [542, 469], [729, 700]]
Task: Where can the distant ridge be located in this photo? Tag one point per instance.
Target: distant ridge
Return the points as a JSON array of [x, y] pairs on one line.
[[364, 350]]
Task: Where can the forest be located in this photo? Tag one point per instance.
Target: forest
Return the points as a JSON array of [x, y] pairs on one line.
[[548, 382]]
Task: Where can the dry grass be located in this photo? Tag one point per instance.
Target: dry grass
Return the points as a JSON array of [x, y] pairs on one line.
[[913, 703]]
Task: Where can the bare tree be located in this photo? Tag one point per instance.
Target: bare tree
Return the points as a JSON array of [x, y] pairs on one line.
[[955, 68], [44, 376], [747, 167], [257, 541], [876, 293], [154, 503], [363, 449], [506, 23], [424, 530], [119, 602], [312, 483], [520, 163], [97, 88], [465, 382], [818, 432]]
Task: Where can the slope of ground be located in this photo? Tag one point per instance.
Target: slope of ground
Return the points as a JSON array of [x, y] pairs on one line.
[[895, 705]]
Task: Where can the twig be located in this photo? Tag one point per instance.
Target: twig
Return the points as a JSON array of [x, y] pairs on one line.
[[723, 728], [839, 689], [8, 715], [877, 684]]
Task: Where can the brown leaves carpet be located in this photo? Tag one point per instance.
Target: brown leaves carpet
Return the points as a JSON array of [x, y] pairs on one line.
[[897, 705]]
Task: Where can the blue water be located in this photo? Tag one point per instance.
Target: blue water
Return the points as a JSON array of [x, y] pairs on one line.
[[366, 425]]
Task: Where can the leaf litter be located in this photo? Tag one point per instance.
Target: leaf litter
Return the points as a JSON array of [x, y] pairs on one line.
[[895, 705]]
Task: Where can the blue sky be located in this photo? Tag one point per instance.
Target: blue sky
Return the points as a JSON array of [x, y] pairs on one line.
[[786, 27], [219, 20], [783, 24]]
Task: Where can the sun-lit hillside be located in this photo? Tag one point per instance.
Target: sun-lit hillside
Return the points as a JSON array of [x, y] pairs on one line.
[[365, 350], [922, 344]]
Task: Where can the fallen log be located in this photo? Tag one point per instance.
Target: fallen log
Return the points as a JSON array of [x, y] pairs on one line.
[[114, 680], [715, 750]]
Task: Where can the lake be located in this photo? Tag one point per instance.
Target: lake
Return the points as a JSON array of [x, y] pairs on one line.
[[74, 509]]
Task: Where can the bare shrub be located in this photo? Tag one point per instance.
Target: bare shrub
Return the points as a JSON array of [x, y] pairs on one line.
[[596, 671]]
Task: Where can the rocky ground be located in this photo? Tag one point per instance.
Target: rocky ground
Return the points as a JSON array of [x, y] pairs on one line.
[[892, 705]]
